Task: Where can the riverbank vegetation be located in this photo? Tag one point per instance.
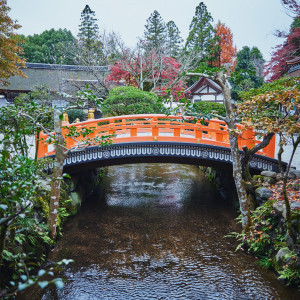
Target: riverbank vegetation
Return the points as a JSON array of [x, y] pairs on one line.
[[267, 238]]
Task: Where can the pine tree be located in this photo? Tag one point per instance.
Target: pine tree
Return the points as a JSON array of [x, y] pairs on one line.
[[88, 29], [155, 33], [174, 40], [201, 31]]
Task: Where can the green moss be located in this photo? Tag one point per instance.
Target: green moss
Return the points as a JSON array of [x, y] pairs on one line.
[[257, 177], [43, 203]]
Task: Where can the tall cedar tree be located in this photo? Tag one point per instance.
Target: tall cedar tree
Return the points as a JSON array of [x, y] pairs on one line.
[[155, 33], [290, 49], [10, 51], [88, 29], [174, 40], [201, 35], [227, 53], [50, 47], [248, 72]]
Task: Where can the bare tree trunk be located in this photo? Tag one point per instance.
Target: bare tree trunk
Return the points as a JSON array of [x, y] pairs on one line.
[[57, 174], [284, 184], [37, 144], [236, 159], [221, 80]]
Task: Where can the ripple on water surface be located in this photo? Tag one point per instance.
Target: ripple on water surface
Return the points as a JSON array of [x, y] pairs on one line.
[[160, 236]]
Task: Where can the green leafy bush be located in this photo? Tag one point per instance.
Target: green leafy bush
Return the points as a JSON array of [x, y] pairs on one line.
[[128, 100], [205, 108], [76, 113]]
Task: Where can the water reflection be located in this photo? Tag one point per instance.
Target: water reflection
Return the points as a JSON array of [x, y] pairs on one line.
[[159, 235]]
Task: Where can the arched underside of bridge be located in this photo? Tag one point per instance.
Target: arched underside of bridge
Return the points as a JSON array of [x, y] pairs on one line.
[[159, 152]]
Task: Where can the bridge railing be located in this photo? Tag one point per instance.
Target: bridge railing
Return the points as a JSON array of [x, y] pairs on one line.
[[157, 128]]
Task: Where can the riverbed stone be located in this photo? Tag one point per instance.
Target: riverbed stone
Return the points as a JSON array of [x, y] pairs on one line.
[[269, 174], [269, 180], [280, 256], [263, 194], [280, 209]]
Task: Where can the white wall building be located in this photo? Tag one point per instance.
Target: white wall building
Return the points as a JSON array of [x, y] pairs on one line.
[[204, 90]]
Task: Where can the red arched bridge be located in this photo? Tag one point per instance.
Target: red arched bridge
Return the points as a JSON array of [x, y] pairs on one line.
[[153, 138]]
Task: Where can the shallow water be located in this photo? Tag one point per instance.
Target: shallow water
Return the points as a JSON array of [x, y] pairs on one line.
[[160, 235]]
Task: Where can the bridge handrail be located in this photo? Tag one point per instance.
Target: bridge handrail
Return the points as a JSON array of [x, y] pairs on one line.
[[159, 127]]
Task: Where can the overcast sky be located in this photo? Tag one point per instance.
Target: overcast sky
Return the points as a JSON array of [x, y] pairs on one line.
[[252, 22]]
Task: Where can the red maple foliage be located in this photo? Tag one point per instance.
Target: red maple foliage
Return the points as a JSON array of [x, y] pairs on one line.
[[160, 72], [227, 55], [277, 67], [292, 6]]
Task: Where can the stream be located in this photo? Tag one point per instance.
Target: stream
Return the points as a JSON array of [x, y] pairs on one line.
[[158, 231]]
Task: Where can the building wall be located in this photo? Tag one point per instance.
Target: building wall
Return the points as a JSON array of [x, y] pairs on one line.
[[59, 78]]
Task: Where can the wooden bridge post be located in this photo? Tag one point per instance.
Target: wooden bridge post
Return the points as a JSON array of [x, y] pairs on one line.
[[155, 129], [43, 145], [247, 138], [133, 131], [68, 140], [270, 149], [111, 129], [177, 132], [211, 133], [198, 131], [218, 133]]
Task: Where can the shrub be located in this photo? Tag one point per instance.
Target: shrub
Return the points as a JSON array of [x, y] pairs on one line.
[[205, 107], [128, 100], [76, 113]]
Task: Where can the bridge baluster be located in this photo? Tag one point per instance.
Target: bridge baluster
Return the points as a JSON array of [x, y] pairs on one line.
[[43, 145], [155, 129], [133, 131], [111, 129], [177, 132], [198, 131]]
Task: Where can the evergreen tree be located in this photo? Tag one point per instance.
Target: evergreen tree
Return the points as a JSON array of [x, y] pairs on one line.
[[174, 40], [201, 35], [155, 33], [88, 29], [51, 47], [248, 73]]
